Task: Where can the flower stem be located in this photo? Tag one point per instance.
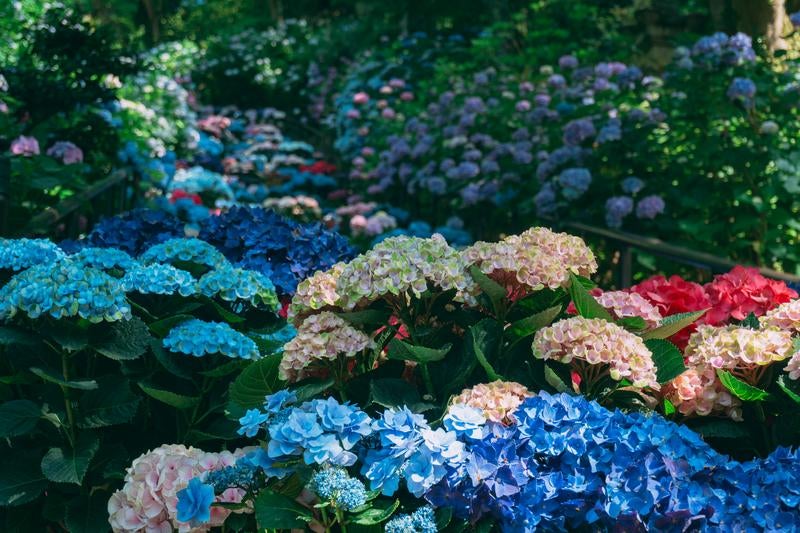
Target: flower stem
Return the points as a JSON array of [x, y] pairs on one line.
[[67, 400]]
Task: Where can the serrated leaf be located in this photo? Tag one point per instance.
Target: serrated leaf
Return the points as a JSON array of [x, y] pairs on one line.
[[257, 380], [310, 388], [21, 479], [367, 317], [160, 328], [529, 325], [405, 351], [632, 323], [52, 376], [584, 302], [672, 324], [112, 403], [68, 334], [740, 389], [10, 335], [168, 360], [554, 380], [124, 340], [69, 465], [18, 417], [276, 511], [667, 358], [224, 314], [789, 392], [375, 515], [173, 399]]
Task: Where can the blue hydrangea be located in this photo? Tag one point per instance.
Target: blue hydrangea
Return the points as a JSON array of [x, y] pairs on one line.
[[64, 289], [422, 520], [103, 258], [194, 502], [238, 285], [184, 250], [632, 185], [335, 485], [158, 279], [198, 338], [252, 422], [321, 431], [132, 232], [578, 130], [574, 182], [243, 475], [465, 420], [197, 180], [617, 208], [19, 254], [650, 207], [742, 90]]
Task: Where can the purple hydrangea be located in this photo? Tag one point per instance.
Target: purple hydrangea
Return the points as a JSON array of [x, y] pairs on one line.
[[650, 207]]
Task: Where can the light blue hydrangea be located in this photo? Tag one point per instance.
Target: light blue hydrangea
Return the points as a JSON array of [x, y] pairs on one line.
[[64, 289], [239, 285], [103, 258], [337, 487], [158, 279], [252, 421], [422, 520], [201, 180], [19, 254], [184, 250], [198, 338]]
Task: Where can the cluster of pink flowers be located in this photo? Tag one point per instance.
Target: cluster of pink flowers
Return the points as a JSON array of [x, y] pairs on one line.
[[148, 500], [67, 152], [373, 225], [742, 351], [786, 317], [698, 391], [743, 291], [25, 146], [321, 337], [315, 293], [498, 400], [535, 259], [622, 304], [584, 341]]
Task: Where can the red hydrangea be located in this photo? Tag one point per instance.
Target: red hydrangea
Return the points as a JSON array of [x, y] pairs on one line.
[[743, 291], [319, 167]]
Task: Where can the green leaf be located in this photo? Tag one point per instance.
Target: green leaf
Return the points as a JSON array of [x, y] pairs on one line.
[[173, 399], [170, 361], [112, 403], [88, 514], [68, 334], [226, 369], [124, 340], [443, 517], [751, 321], [669, 407], [276, 511], [667, 358], [531, 324], [257, 380], [54, 377], [781, 383], [367, 317], [491, 288], [584, 302], [409, 352], [722, 429], [486, 336], [632, 323], [393, 392], [554, 380], [375, 515], [69, 465], [224, 314], [311, 388], [160, 328], [21, 479], [18, 417], [10, 335], [740, 389], [672, 324]]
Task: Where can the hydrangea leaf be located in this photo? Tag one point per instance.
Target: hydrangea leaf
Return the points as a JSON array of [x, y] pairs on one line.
[[17, 336], [740, 389], [376, 514], [21, 479], [18, 417], [409, 352], [276, 511], [486, 336], [527, 326], [163, 326], [366, 317], [53, 376], [587, 306], [633, 323], [257, 380], [124, 340], [311, 388], [794, 395], [88, 514], [493, 290], [112, 403], [69, 465], [173, 399], [70, 335], [170, 361], [672, 324], [721, 429], [395, 392], [667, 358]]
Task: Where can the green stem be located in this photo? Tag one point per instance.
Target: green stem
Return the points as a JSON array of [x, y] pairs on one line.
[[426, 378], [340, 519], [325, 521], [67, 401]]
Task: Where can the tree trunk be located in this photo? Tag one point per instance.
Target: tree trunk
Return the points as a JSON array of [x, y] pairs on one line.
[[153, 9], [762, 18]]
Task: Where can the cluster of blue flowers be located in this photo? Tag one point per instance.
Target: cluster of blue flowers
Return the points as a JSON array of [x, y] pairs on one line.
[[158, 279], [198, 338], [103, 259], [420, 521], [334, 485], [19, 254], [237, 285], [186, 251], [742, 90]]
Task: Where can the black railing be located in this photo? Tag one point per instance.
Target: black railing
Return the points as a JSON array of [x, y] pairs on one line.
[[626, 243]]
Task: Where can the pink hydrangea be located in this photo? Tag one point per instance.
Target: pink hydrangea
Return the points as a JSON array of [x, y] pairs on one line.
[[498, 400], [744, 352], [698, 391], [360, 98], [148, 500], [743, 291], [786, 316], [320, 337], [586, 342], [793, 367], [315, 293], [623, 304], [533, 260], [67, 152], [25, 146]]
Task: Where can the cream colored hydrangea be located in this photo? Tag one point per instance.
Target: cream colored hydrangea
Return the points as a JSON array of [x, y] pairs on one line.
[[785, 316], [698, 391], [315, 293], [737, 348], [595, 341], [320, 337], [623, 304], [498, 400]]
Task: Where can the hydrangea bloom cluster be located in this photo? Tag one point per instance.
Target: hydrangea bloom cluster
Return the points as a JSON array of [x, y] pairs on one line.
[[786, 317], [237, 285], [496, 400], [67, 152], [103, 258], [622, 304], [19, 254], [399, 266], [698, 391], [321, 337], [743, 291], [334, 485], [743, 351], [594, 341], [158, 279], [64, 289], [198, 338], [322, 432], [133, 232], [184, 250], [420, 521], [532, 260], [149, 499], [316, 292]]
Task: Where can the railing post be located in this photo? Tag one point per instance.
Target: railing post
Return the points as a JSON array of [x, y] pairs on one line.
[[625, 266]]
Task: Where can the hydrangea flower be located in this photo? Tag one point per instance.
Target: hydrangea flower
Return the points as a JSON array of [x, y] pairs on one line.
[[742, 291], [198, 338], [650, 207], [103, 258], [67, 152], [786, 317], [194, 502], [19, 254], [617, 208], [623, 304], [133, 232], [64, 289], [496, 400], [698, 391], [236, 285], [583, 341], [184, 250], [532, 260], [743, 90], [315, 293], [321, 337], [335, 486], [400, 266], [420, 521], [25, 146], [158, 279], [574, 182]]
